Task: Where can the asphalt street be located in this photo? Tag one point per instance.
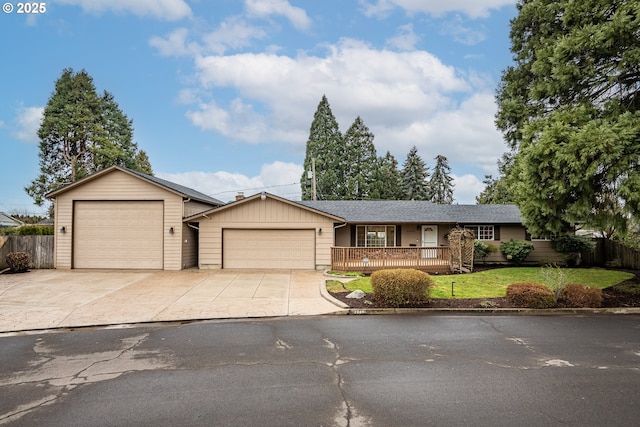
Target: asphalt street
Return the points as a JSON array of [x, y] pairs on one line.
[[402, 370]]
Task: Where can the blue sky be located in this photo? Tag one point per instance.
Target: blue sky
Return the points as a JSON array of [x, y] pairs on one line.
[[222, 92]]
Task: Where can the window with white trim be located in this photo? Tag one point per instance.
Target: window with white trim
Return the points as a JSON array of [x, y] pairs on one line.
[[482, 232], [375, 235]]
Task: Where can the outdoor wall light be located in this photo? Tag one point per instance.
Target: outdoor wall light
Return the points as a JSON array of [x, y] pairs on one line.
[[171, 230], [319, 230], [263, 196], [63, 229]]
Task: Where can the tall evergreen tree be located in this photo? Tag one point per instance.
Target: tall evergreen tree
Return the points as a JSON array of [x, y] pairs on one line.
[[387, 180], [325, 145], [570, 110], [440, 185], [498, 191], [81, 133], [415, 184], [361, 161], [70, 126]]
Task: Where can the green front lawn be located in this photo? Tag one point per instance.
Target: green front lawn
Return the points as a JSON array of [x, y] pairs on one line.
[[493, 283]]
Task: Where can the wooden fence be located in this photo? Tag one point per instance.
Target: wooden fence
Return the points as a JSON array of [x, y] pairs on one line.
[[610, 253], [40, 248]]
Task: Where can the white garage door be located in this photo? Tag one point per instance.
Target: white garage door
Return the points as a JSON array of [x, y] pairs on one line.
[[269, 249], [123, 234]]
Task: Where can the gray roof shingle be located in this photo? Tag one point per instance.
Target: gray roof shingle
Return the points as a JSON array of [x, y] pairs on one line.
[[189, 192], [414, 211]]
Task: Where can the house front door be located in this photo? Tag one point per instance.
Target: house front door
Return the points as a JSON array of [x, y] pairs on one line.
[[429, 240]]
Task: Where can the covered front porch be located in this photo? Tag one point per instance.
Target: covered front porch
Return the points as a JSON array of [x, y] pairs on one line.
[[370, 259]]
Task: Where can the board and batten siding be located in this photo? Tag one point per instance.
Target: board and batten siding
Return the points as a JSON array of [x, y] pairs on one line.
[[119, 186], [262, 214]]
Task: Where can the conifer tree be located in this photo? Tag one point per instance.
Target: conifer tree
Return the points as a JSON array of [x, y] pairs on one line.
[[569, 109], [361, 161], [415, 185], [81, 133], [325, 146], [440, 185], [387, 180]]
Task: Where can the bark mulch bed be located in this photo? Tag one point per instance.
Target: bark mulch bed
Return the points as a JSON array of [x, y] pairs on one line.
[[612, 297]]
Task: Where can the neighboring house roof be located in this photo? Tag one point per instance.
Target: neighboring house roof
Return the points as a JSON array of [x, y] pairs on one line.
[[8, 221], [410, 211], [176, 188]]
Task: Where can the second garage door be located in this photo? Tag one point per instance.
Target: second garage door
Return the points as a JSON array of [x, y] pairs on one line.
[[118, 234], [269, 249]]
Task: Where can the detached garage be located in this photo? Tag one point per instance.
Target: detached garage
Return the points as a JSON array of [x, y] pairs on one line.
[[265, 232], [121, 219]]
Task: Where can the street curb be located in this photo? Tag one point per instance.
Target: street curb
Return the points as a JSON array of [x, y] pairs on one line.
[[326, 295], [499, 311]]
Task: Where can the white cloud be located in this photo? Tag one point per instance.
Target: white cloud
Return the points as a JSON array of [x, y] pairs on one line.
[[175, 44], [406, 39], [279, 93], [467, 187], [28, 121], [233, 33], [169, 10], [278, 178], [471, 8], [264, 8], [462, 33], [464, 134]]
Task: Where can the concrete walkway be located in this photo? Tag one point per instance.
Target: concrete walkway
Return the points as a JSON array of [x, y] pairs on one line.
[[44, 299]]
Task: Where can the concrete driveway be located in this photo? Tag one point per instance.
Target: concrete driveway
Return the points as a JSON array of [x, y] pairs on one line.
[[43, 299]]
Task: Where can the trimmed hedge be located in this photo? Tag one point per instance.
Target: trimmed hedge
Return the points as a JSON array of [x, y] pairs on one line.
[[530, 295], [399, 287], [29, 230], [580, 296], [18, 262]]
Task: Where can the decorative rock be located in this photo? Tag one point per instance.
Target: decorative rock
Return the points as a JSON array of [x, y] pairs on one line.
[[356, 294]]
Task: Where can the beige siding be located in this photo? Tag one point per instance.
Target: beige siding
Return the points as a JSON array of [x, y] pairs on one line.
[[542, 249], [262, 214], [118, 185], [191, 208]]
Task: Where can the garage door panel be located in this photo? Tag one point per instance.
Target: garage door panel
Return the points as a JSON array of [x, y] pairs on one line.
[[118, 234], [269, 249]]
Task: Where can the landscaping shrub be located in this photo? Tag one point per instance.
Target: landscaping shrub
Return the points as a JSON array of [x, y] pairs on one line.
[[556, 277], [482, 250], [400, 286], [572, 247], [516, 250], [530, 295], [29, 230], [18, 262], [580, 296]]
